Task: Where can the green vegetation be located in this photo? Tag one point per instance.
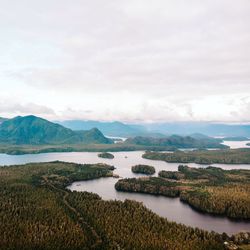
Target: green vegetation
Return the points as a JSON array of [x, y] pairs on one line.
[[232, 200], [143, 169], [36, 149], [230, 156], [32, 130], [129, 225], [37, 212], [150, 185], [2, 119], [212, 190], [177, 142], [34, 212], [106, 155], [175, 175]]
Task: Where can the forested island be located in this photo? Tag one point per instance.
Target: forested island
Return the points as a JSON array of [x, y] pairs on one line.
[[143, 169], [229, 156], [212, 190], [177, 141], [106, 155], [37, 212]]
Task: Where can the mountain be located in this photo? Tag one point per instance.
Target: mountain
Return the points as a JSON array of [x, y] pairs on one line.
[[2, 119], [93, 135], [110, 128], [207, 128], [161, 129], [35, 130], [177, 141], [236, 138]]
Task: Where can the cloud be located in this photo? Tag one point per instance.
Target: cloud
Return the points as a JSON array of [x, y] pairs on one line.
[[10, 109], [134, 59]]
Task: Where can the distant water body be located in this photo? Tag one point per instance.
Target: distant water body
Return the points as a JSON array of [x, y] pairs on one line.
[[171, 208], [236, 144]]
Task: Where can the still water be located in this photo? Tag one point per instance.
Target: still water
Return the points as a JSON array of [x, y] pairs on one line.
[[171, 208], [237, 144]]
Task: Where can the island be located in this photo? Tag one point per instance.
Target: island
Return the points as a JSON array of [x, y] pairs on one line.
[[211, 190], [143, 169], [177, 141], [37, 209], [106, 155], [228, 156]]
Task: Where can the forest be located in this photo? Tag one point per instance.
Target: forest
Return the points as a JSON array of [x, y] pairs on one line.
[[177, 141], [228, 156], [38, 212], [143, 169], [106, 155], [212, 190]]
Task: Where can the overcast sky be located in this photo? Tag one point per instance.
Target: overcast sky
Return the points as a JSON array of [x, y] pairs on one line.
[[127, 60]]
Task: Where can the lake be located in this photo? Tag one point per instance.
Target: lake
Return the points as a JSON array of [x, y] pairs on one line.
[[171, 208], [237, 144]]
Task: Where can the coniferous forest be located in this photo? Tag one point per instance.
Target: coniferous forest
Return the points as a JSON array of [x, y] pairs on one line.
[[38, 212], [212, 190]]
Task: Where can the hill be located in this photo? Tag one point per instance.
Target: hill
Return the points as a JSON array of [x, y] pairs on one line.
[[236, 138], [111, 128], [37, 131], [2, 119], [177, 141], [161, 129], [207, 128]]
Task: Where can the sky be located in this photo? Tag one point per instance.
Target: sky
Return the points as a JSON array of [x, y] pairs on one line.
[[127, 60]]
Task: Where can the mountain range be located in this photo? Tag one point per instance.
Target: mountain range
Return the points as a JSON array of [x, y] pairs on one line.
[[32, 130], [207, 128], [161, 129], [115, 128]]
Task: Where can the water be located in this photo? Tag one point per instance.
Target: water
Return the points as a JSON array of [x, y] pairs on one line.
[[171, 208], [236, 144]]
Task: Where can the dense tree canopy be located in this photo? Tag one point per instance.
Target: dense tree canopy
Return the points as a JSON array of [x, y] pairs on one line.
[[212, 190], [232, 156], [143, 169], [37, 212]]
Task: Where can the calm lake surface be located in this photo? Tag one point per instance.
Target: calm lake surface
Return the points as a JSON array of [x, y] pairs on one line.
[[237, 144], [171, 208]]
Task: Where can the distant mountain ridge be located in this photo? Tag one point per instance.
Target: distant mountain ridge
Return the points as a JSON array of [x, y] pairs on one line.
[[161, 129], [206, 128], [110, 128], [35, 130]]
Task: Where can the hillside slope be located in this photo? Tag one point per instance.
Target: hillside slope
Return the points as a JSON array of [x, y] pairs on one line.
[[35, 130], [110, 128]]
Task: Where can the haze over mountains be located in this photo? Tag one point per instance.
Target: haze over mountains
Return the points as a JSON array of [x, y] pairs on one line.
[[32, 130], [115, 128], [160, 129]]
